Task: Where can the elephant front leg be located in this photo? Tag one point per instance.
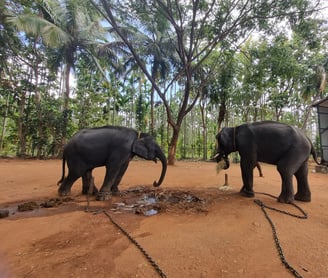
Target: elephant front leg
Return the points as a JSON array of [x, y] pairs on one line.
[[114, 188], [247, 176], [88, 185], [111, 175]]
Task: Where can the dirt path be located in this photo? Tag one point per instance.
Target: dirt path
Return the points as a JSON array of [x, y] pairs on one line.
[[197, 230]]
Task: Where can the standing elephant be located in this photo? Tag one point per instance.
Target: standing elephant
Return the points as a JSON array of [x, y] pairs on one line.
[[273, 143], [109, 146]]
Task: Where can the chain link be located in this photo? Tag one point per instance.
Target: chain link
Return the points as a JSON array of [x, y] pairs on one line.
[[143, 251], [274, 230], [303, 216]]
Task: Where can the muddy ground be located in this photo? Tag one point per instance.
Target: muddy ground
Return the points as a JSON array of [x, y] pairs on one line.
[[189, 226]]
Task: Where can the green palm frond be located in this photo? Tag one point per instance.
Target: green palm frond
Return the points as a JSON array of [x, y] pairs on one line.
[[55, 36], [37, 26], [29, 23], [54, 10]]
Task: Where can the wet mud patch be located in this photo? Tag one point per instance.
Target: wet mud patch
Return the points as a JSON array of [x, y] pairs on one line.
[[53, 202], [140, 200], [147, 201], [34, 208]]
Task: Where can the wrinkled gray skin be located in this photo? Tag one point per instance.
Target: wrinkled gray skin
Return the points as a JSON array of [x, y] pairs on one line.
[[109, 146], [273, 143]]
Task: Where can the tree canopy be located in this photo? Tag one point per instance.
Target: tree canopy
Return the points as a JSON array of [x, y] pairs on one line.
[[177, 69]]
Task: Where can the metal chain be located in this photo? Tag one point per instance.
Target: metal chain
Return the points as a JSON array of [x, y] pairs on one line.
[[256, 201], [143, 251], [303, 216], [274, 231]]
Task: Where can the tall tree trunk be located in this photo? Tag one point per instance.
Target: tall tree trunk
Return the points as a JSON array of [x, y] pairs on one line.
[[152, 119], [4, 123], [66, 104], [21, 148], [173, 146], [204, 130], [184, 110], [222, 112], [40, 126], [152, 92]]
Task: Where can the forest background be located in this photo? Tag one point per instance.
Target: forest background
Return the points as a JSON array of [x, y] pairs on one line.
[[180, 70]]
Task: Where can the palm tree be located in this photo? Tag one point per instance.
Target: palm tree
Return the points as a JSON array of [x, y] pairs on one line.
[[69, 28], [160, 51]]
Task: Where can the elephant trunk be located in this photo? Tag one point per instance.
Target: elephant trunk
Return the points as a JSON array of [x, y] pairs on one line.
[[160, 155], [221, 156]]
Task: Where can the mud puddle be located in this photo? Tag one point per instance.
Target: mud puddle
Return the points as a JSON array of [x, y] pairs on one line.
[[147, 201], [39, 208], [141, 200]]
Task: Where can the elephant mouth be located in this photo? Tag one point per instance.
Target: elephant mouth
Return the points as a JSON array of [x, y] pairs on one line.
[[218, 157]]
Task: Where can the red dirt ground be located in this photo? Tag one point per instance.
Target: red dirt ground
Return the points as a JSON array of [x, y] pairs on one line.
[[206, 233]]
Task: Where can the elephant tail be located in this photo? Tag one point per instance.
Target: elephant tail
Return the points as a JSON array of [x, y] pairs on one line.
[[63, 171], [314, 154]]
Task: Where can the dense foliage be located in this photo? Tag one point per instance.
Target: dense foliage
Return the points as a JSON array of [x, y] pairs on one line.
[[179, 71]]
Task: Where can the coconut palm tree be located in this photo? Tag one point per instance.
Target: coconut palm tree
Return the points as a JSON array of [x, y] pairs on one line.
[[69, 28]]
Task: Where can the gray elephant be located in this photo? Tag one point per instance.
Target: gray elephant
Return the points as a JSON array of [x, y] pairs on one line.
[[109, 146], [273, 143]]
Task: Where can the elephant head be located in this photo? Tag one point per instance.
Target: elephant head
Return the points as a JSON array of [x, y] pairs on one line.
[[148, 149], [226, 144]]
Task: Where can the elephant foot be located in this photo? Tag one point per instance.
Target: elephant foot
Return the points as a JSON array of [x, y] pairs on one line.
[[303, 197], [103, 196], [246, 193], [116, 192], [62, 192], [85, 191], [286, 199]]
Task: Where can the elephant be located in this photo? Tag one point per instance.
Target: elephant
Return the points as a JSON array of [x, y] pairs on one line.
[[109, 146], [259, 168], [274, 143]]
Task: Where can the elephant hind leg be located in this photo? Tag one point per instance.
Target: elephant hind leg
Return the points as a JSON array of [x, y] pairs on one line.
[[88, 185], [287, 192], [303, 189], [66, 185]]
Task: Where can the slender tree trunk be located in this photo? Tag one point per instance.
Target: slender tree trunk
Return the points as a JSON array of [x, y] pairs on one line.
[[184, 110], [306, 117], [184, 139], [173, 146], [21, 148], [204, 131], [4, 122], [40, 127], [152, 119], [152, 92], [66, 104], [222, 112]]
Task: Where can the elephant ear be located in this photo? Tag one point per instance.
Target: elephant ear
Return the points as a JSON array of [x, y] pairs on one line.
[[224, 137], [139, 148], [226, 140]]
